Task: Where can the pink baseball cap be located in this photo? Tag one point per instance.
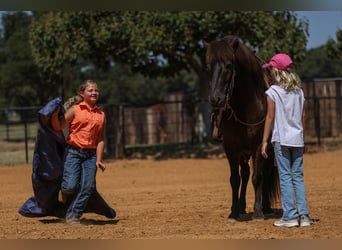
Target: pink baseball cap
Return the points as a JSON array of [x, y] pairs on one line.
[[280, 61]]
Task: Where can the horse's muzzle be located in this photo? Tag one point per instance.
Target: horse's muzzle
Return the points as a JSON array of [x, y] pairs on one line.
[[217, 101]]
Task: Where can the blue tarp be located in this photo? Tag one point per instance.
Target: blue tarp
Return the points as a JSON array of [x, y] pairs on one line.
[[47, 171]]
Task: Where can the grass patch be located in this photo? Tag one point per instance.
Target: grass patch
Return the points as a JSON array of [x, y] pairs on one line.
[[14, 153], [16, 131]]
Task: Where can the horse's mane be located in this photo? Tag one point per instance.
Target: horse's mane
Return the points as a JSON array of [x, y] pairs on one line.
[[218, 51]]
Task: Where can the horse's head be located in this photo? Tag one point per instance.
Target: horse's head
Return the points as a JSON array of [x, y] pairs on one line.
[[220, 59]]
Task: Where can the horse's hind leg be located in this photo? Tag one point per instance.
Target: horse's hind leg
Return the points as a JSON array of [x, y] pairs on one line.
[[245, 172], [266, 203], [266, 199], [258, 185]]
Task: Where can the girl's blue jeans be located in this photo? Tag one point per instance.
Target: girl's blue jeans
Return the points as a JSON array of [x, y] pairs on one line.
[[292, 188], [78, 179]]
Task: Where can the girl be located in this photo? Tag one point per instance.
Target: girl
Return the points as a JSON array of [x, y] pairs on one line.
[[284, 119], [84, 151]]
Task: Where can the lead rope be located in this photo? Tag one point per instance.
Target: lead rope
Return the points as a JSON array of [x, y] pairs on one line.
[[240, 121]]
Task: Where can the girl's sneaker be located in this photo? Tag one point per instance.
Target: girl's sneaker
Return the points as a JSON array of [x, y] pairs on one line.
[[305, 221], [286, 223], [73, 220]]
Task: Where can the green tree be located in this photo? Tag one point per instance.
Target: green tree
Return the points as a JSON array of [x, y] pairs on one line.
[[318, 64], [157, 43], [334, 48], [120, 85], [19, 76]]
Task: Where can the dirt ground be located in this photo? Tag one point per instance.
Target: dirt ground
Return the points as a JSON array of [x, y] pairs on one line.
[[174, 199]]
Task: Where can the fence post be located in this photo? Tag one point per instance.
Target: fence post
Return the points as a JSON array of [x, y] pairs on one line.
[[7, 132], [120, 142], [115, 130], [26, 142], [317, 113]]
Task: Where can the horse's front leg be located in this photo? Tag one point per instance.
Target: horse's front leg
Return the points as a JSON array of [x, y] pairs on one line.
[[245, 172], [235, 185]]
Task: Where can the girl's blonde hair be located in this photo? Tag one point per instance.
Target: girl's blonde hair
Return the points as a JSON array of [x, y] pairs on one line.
[[72, 101], [287, 79]]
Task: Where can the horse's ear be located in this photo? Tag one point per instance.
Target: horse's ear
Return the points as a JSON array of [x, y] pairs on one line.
[[233, 41], [206, 44]]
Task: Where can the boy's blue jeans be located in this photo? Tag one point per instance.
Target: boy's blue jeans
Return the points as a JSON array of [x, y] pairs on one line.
[[78, 179], [292, 188]]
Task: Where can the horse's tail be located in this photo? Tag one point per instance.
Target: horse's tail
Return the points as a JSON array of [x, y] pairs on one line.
[[274, 186], [273, 182]]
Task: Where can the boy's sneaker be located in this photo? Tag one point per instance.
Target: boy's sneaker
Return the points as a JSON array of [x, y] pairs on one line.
[[73, 220], [286, 223], [305, 221]]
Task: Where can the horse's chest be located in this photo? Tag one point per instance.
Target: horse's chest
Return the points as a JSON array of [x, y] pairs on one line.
[[243, 139], [237, 131]]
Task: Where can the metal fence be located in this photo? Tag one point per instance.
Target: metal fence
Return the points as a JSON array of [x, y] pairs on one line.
[[178, 120], [323, 110], [18, 129]]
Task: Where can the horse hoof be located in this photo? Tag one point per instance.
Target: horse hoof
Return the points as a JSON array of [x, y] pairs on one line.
[[269, 215], [232, 220], [268, 211], [258, 218]]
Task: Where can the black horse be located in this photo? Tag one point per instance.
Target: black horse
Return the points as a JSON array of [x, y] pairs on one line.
[[237, 96]]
